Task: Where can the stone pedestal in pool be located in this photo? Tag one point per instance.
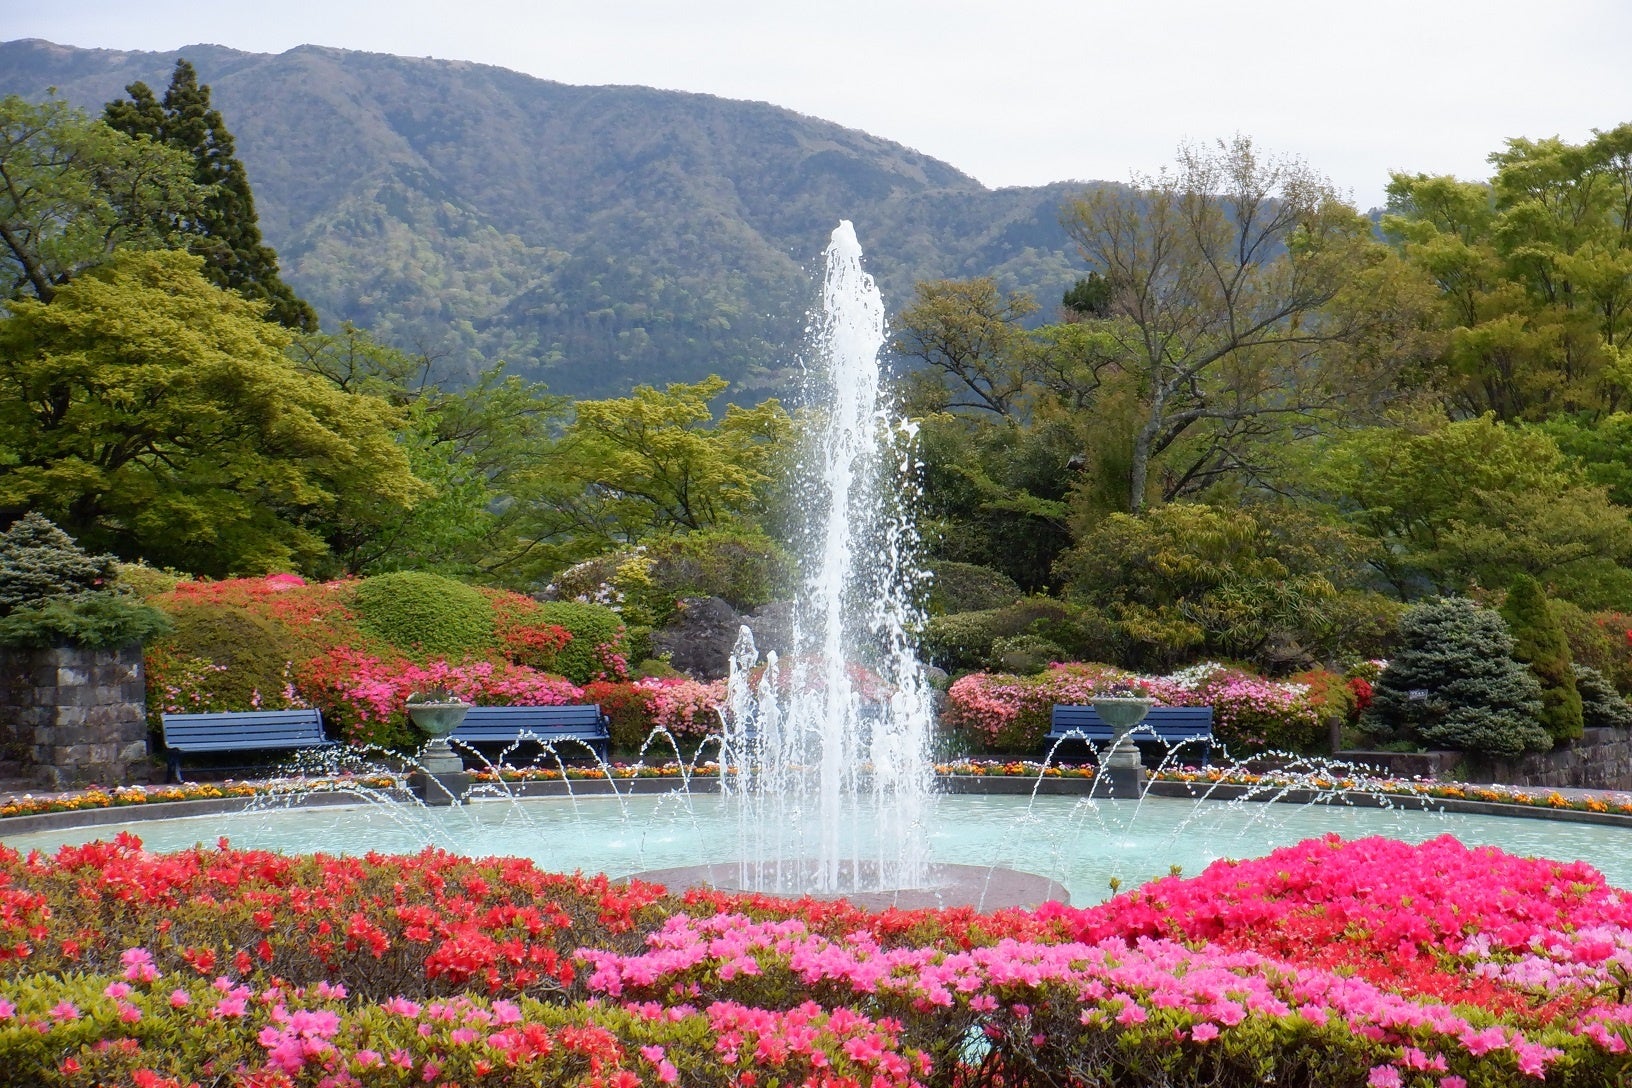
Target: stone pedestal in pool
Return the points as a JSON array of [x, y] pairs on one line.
[[1121, 769], [982, 887], [441, 778]]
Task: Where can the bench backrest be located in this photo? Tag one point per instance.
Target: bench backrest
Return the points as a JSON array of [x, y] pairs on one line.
[[1167, 722], [507, 723], [231, 731]]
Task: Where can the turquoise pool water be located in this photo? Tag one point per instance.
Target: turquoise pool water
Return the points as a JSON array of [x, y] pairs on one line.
[[1081, 844]]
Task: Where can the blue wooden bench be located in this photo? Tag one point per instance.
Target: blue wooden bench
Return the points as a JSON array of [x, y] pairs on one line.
[[1173, 726], [241, 731], [545, 724]]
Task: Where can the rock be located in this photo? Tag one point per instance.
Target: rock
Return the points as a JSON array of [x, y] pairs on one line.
[[772, 625], [699, 636]]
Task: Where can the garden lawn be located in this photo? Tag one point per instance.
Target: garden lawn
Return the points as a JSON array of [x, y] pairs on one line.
[[1331, 963]]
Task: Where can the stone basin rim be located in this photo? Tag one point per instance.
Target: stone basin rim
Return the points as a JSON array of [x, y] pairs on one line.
[[952, 784]]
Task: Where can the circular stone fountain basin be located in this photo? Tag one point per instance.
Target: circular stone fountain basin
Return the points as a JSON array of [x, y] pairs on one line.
[[1081, 844]]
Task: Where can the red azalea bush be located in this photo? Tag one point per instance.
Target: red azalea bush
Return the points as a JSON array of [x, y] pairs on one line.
[[1369, 964]]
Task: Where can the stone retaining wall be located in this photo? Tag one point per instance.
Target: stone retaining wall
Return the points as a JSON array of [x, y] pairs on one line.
[[69, 716], [1600, 760]]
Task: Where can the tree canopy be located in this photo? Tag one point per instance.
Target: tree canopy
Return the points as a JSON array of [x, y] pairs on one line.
[[223, 229], [151, 414], [1534, 270], [72, 190]]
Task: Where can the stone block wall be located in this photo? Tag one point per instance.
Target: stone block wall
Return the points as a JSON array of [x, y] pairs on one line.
[[1600, 760], [69, 716]]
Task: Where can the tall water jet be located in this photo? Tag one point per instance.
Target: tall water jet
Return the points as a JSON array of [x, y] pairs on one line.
[[829, 750]]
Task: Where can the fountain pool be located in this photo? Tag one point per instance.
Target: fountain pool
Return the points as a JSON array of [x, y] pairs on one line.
[[1079, 843]]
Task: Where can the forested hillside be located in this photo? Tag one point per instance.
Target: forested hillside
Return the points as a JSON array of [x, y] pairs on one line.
[[595, 237]]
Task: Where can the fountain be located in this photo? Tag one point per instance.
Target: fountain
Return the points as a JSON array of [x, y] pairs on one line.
[[827, 753], [817, 758], [826, 785]]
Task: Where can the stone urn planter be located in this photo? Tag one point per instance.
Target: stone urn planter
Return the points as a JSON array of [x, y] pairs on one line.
[[1122, 769], [441, 778]]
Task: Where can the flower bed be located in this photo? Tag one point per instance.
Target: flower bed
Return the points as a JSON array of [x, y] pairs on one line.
[[1369, 963]]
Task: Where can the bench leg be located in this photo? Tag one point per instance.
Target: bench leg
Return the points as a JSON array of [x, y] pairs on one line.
[[173, 771]]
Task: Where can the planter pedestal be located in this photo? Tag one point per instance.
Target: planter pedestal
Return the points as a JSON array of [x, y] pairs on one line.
[[441, 778], [1120, 768]]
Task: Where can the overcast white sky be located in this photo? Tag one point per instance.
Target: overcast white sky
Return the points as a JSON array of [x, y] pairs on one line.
[[1015, 92]]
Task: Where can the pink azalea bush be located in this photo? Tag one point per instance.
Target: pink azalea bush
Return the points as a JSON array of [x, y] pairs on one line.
[[1004, 713], [371, 692]]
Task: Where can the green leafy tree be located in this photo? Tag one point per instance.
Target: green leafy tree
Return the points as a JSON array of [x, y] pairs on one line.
[[470, 446], [1184, 579], [973, 350], [1477, 502], [154, 415], [996, 494], [1534, 271], [1539, 642], [1222, 283], [225, 230], [654, 462], [1453, 682], [72, 190]]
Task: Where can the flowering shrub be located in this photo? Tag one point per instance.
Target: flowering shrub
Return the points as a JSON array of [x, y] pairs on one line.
[[278, 642], [1369, 963], [371, 692], [1005, 713], [524, 635], [684, 708]]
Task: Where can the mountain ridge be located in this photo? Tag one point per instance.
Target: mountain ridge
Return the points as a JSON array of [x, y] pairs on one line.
[[593, 236]]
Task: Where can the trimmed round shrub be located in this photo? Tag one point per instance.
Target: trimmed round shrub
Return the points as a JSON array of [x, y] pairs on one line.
[[965, 587], [221, 657], [1453, 683], [596, 650], [1024, 654], [424, 614], [959, 641], [744, 569], [1601, 704]]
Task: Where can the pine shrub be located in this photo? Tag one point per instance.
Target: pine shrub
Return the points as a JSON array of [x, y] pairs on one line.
[[1601, 704], [1454, 683], [1539, 642], [38, 562], [425, 614], [52, 592]]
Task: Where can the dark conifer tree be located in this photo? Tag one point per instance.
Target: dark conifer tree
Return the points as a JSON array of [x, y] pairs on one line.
[[1539, 642], [1453, 682], [226, 233]]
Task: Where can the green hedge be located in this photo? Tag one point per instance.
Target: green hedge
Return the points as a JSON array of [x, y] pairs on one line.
[[597, 640], [425, 614]]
